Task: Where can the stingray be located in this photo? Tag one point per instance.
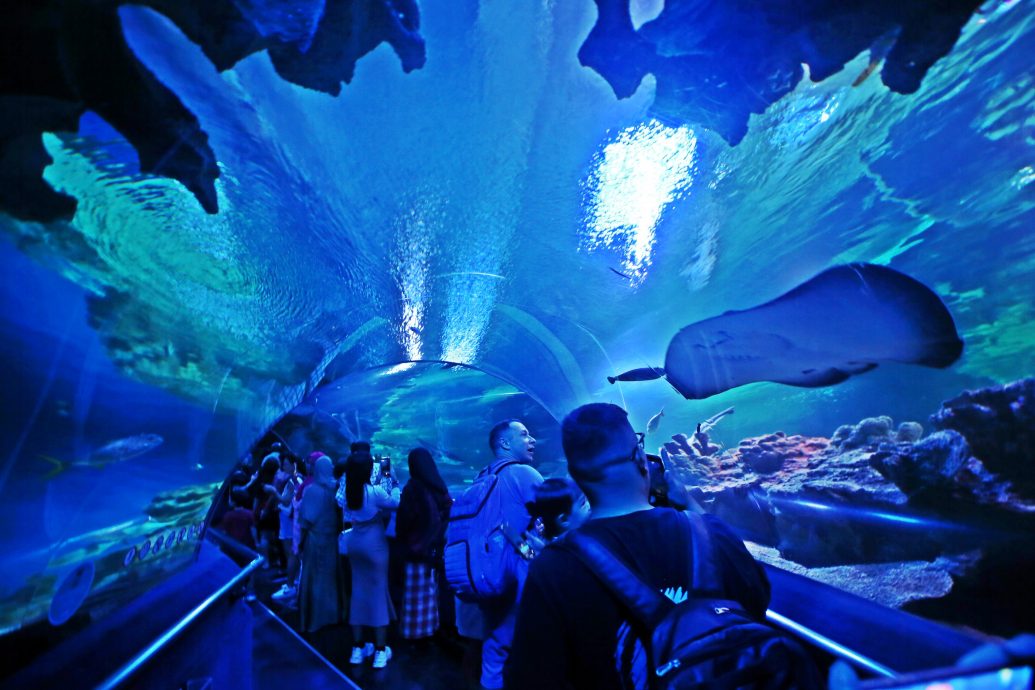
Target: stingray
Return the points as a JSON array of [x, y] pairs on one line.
[[843, 322]]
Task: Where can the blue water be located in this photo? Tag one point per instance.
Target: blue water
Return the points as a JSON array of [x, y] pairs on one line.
[[478, 210]]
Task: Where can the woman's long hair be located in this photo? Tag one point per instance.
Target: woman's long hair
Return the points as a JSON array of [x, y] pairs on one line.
[[269, 467], [423, 469], [357, 476]]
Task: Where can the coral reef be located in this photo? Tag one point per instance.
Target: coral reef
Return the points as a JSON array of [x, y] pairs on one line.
[[999, 425], [716, 63], [61, 59], [886, 509]]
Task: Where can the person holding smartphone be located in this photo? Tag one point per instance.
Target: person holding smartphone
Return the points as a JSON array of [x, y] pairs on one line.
[[370, 607]]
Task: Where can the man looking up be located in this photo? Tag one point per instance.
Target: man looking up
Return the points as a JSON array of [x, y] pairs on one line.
[[569, 623], [493, 621]]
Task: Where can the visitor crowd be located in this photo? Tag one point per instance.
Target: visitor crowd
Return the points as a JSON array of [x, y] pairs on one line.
[[334, 529]]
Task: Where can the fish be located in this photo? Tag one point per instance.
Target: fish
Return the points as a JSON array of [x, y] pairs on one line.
[[841, 323], [641, 374], [710, 423], [116, 451], [619, 273], [415, 330], [652, 424]]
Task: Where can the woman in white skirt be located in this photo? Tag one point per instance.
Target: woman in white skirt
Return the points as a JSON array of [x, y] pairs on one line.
[[370, 606]]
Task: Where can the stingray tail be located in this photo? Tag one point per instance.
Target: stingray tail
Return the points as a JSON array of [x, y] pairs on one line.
[[59, 466], [611, 379]]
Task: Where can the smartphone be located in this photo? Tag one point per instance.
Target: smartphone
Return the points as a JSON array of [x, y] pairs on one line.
[[386, 465], [1012, 676]]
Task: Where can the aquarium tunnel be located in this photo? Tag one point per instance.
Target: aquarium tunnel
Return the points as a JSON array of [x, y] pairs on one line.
[[794, 241]]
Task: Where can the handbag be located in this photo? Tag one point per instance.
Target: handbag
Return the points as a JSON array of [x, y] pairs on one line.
[[343, 541]]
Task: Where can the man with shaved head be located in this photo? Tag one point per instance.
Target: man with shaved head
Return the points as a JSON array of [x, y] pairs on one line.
[[569, 622]]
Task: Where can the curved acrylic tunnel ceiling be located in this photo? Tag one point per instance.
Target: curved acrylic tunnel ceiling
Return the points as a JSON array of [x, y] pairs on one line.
[[445, 407], [498, 207]]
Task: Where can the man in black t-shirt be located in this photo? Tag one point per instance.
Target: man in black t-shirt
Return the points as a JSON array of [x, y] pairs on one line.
[[568, 622]]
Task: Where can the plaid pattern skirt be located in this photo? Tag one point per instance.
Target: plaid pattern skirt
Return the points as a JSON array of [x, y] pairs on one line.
[[420, 602]]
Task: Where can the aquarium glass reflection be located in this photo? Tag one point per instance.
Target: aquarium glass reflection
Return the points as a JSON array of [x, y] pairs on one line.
[[494, 235]]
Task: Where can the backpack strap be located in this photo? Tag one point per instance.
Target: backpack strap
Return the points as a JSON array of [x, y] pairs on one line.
[[644, 604], [487, 469]]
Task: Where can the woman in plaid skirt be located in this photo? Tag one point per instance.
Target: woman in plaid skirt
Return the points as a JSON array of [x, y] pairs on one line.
[[421, 530]]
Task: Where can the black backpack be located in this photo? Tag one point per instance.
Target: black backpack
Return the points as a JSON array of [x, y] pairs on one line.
[[703, 641]]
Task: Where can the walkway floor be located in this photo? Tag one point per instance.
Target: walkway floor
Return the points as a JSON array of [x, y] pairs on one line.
[[434, 664]]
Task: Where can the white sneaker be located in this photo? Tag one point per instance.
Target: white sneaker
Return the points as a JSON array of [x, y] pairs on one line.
[[361, 653], [285, 592], [381, 657]]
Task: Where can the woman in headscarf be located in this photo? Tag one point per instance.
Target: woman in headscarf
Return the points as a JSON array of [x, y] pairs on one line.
[[421, 530], [321, 597], [370, 606]]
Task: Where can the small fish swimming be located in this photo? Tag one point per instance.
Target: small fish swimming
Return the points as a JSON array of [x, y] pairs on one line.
[[619, 273], [652, 424], [415, 330], [641, 374], [709, 423], [116, 451]]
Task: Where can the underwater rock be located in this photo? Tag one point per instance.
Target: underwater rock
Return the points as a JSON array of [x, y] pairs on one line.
[[803, 495], [875, 430], [61, 59], [891, 584], [999, 424], [939, 471], [716, 63]]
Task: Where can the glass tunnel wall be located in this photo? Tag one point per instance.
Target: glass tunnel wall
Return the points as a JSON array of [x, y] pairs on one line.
[[499, 208]]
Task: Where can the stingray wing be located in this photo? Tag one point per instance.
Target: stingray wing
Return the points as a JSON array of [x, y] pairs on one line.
[[842, 322]]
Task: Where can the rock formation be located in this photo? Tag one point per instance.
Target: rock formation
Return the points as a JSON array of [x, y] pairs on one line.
[[888, 500], [716, 62], [60, 58]]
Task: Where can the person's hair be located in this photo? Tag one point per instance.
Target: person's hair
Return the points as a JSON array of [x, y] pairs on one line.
[[556, 496], [339, 467], [587, 433], [357, 476], [239, 497], [496, 433], [270, 465], [289, 458], [239, 478], [359, 447], [422, 468]]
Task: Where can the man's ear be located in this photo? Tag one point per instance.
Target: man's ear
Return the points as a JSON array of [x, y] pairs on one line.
[[564, 520]]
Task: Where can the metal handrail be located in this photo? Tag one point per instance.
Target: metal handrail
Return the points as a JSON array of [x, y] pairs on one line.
[[137, 662], [825, 643]]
